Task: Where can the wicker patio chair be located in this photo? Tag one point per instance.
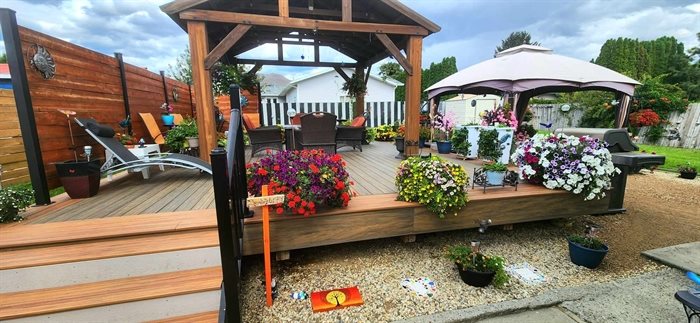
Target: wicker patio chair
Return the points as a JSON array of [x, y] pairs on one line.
[[296, 119], [352, 135], [262, 138], [318, 131]]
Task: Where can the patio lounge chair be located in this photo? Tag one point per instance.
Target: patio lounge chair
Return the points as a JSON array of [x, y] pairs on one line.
[[125, 160], [352, 135], [153, 128], [318, 132], [177, 118], [262, 138]]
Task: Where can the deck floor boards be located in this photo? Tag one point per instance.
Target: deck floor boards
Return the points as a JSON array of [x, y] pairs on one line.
[[372, 170]]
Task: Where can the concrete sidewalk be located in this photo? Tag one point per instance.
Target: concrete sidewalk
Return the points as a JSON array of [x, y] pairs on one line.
[[643, 298]]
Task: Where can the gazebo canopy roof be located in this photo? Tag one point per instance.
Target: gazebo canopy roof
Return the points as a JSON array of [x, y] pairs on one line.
[[532, 68], [313, 22]]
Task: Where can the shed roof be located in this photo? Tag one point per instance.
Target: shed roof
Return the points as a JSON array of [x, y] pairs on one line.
[[360, 46]]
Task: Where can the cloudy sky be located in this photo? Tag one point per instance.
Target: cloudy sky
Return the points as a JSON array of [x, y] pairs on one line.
[[470, 29]]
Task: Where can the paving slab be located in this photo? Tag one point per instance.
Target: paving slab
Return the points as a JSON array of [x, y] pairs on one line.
[[544, 315], [683, 256]]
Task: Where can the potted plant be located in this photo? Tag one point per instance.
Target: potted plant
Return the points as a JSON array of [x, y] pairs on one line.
[[477, 269], [384, 133], [687, 171], [495, 172], [166, 116], [460, 141], [81, 178], [439, 185], [489, 148], [443, 125], [586, 250], [189, 128], [423, 136], [308, 179], [13, 200], [399, 139]]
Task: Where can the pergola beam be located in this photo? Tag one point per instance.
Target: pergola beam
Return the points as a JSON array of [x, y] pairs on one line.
[[255, 69], [231, 39], [413, 95], [346, 10], [396, 52], [293, 63], [204, 99], [301, 23], [283, 8], [342, 73]]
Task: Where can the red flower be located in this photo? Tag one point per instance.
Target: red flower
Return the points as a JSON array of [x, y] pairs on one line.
[[297, 198], [303, 203], [262, 172], [290, 195], [276, 168], [336, 158], [314, 168], [339, 185], [291, 204], [301, 211], [311, 205], [279, 210]]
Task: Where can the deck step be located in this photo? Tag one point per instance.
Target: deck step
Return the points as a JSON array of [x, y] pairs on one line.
[[206, 317], [110, 292], [42, 255]]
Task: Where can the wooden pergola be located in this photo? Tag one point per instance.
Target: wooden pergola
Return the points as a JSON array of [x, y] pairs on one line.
[[367, 31]]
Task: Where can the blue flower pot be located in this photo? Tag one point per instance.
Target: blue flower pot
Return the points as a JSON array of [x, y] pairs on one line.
[[586, 257], [444, 147], [495, 178], [421, 143], [168, 119]]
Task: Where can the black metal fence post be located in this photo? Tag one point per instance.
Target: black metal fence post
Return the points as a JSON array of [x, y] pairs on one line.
[[165, 87], [25, 109], [125, 91]]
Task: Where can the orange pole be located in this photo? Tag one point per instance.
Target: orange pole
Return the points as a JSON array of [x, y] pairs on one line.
[[266, 244]]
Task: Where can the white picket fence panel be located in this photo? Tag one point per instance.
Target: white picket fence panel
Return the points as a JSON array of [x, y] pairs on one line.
[[380, 113]]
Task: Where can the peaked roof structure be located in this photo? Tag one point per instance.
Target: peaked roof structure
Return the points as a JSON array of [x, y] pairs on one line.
[[357, 45]]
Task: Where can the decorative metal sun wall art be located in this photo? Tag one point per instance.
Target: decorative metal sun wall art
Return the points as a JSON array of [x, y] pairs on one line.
[[41, 60]]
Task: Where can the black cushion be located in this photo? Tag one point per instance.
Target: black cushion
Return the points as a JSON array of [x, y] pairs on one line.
[[100, 130]]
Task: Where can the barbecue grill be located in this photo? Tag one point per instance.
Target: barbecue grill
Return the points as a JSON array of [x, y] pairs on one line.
[[624, 156]]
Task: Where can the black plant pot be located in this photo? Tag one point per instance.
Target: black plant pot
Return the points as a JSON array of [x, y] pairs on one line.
[[689, 175], [399, 144], [80, 179], [582, 256], [476, 278]]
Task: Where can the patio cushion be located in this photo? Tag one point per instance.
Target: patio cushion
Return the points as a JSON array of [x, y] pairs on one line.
[[100, 130], [248, 123], [358, 122]]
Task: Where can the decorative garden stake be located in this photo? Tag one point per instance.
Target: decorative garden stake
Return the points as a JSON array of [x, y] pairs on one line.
[[69, 113], [265, 201]]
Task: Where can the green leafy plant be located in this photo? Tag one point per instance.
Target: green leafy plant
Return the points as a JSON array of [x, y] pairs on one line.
[[439, 185], [459, 141], [489, 147], [384, 133], [687, 168], [587, 242], [655, 133], [13, 200], [370, 134], [495, 167], [355, 86], [176, 138], [424, 133], [467, 259]]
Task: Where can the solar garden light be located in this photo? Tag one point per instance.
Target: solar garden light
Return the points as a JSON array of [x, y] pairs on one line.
[[88, 152], [484, 224], [475, 244]]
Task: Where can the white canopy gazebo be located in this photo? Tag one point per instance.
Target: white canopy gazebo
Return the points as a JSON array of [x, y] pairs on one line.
[[526, 71]]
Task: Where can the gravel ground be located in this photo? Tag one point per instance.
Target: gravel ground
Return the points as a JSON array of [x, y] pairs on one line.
[[662, 211]]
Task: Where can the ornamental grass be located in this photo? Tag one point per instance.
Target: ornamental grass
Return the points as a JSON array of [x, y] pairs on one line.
[[308, 179], [439, 185]]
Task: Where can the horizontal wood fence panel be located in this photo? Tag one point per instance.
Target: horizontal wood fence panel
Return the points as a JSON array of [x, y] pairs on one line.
[[380, 113], [88, 83], [12, 158]]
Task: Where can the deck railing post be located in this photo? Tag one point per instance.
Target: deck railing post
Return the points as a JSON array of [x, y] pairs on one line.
[[229, 243]]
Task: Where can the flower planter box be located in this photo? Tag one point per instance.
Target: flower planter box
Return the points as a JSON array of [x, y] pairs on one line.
[[688, 175]]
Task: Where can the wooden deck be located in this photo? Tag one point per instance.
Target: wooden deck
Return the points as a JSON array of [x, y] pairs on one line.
[[175, 190]]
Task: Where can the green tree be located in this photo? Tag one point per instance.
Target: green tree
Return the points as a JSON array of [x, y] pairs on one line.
[[3, 58], [695, 51], [515, 38], [395, 71], [430, 76], [182, 71]]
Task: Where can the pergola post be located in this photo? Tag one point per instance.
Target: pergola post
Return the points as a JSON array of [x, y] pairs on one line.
[[204, 98], [414, 52], [360, 99]]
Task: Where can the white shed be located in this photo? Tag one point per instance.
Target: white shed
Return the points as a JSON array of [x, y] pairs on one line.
[[327, 86], [466, 111]]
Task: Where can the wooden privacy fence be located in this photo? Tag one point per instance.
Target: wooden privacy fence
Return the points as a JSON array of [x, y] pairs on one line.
[[380, 113], [90, 84], [12, 158], [686, 125], [546, 113]]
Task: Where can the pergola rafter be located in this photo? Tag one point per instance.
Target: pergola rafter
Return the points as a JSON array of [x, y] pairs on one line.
[[366, 31]]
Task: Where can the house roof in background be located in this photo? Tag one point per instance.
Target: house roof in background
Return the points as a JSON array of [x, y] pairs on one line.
[[273, 84], [348, 71]]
